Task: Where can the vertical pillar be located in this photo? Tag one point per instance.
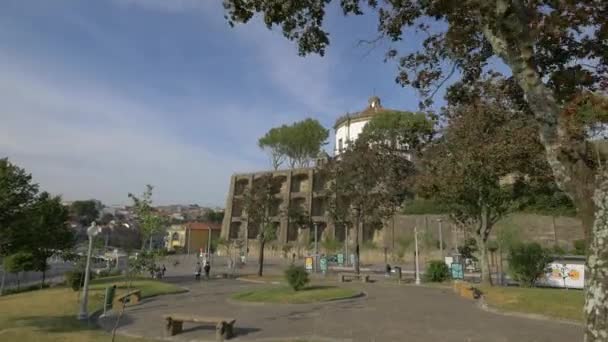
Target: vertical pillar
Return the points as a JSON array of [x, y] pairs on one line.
[[226, 222]]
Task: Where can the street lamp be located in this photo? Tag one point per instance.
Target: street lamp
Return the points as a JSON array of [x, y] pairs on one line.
[[91, 232], [316, 247], [416, 251]]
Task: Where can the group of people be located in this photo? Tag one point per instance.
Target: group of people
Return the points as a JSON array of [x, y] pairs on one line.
[[158, 272], [200, 268]]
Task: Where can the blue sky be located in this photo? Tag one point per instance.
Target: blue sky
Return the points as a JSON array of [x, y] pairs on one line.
[[102, 97]]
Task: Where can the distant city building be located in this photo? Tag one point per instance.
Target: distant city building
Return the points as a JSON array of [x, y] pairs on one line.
[[192, 236]]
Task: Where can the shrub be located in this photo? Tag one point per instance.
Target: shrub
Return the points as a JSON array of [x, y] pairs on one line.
[[470, 247], [26, 289], [527, 262], [75, 278], [297, 277], [437, 271], [580, 247]]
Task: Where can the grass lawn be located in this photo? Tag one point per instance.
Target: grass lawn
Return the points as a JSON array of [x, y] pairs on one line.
[[557, 303], [285, 295], [50, 315]]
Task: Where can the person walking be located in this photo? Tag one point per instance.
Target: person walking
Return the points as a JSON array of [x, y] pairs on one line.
[[207, 269], [197, 271], [163, 270]]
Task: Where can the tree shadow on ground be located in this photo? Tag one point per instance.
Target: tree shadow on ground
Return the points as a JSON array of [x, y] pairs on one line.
[[238, 331], [318, 287], [56, 324]]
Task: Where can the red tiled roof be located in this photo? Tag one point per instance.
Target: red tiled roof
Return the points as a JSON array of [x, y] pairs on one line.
[[203, 225]]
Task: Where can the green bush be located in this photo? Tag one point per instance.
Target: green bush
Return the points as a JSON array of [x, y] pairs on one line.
[[297, 277], [75, 278], [580, 247], [470, 247], [527, 262], [437, 271]]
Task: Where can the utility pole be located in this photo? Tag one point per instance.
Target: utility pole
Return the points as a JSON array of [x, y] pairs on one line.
[[416, 251]]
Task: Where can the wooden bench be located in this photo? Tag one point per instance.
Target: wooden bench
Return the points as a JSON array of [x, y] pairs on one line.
[[224, 327], [342, 277], [131, 297]]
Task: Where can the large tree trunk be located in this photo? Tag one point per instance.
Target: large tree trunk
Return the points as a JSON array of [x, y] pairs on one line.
[[2, 284], [486, 276], [261, 258], [357, 267], [596, 274], [565, 155], [43, 277]]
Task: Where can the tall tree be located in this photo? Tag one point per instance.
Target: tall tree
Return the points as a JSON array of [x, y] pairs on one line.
[[485, 142], [274, 143], [362, 193], [298, 143], [17, 193], [304, 140], [555, 50], [47, 222], [150, 223], [259, 204]]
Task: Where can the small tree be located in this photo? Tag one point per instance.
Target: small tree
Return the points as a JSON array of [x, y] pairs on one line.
[[18, 262], [297, 277], [274, 143], [437, 271], [150, 223], [48, 222], [528, 262], [486, 144], [259, 201]]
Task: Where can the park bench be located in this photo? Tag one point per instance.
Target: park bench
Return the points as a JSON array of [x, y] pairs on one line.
[[342, 277], [131, 297], [224, 327]]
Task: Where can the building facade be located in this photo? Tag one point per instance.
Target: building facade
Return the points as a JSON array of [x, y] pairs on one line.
[[299, 187], [191, 237]]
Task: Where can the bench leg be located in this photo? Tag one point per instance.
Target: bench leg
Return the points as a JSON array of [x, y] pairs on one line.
[[229, 333], [174, 327], [219, 331]]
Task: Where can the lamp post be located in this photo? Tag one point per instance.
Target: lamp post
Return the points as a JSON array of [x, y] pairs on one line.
[[416, 251], [91, 232], [316, 246]]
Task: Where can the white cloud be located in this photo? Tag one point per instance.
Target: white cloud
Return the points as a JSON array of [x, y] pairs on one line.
[[168, 5], [86, 141]]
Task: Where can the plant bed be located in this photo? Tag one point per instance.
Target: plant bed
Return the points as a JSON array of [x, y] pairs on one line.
[[286, 295]]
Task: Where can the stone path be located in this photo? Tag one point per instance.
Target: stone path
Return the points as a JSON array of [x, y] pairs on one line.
[[388, 313]]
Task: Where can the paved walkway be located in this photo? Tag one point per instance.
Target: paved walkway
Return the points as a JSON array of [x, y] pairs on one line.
[[388, 313]]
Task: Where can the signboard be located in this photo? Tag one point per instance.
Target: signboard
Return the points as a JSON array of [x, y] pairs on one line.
[[457, 271], [564, 275], [323, 264], [340, 259], [308, 263]]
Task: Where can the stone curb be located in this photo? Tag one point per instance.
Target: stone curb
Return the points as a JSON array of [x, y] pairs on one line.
[[359, 295]]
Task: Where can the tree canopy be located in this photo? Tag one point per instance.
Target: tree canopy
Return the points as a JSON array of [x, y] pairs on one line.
[[85, 212], [150, 223], [298, 143]]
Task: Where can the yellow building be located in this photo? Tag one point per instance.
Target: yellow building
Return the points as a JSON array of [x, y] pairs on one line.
[[192, 237]]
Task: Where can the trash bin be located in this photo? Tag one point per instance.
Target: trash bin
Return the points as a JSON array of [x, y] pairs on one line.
[[398, 272], [110, 291]]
